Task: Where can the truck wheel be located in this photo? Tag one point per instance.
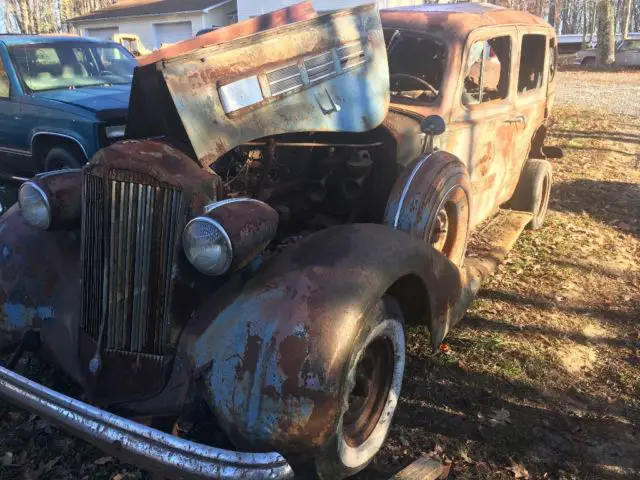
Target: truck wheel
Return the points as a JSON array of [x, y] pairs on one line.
[[533, 191], [589, 62], [371, 390], [59, 158], [434, 195]]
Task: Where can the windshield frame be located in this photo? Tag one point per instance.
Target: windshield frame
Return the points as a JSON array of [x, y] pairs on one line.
[[70, 44], [445, 44]]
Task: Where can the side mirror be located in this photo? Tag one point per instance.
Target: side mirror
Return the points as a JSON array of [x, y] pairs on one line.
[[433, 125]]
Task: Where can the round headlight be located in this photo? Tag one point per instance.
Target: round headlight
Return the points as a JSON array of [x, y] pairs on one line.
[[207, 246], [34, 205]]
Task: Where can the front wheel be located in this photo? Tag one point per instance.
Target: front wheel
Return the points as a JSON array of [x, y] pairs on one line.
[[370, 394], [60, 158]]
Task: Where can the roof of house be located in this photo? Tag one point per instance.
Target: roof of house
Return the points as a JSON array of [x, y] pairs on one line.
[[136, 8], [9, 39]]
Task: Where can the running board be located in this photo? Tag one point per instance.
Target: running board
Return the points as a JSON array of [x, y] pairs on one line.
[[490, 248]]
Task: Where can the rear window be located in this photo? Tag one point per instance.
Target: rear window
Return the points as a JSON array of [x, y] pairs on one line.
[[531, 62]]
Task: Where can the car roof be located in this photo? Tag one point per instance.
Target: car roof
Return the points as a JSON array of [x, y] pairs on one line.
[[456, 19], [10, 40]]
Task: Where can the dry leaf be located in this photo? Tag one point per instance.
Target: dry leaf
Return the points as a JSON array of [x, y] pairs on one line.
[[518, 471], [499, 417], [103, 460]]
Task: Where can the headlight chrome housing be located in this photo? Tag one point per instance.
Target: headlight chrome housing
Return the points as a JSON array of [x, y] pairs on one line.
[[52, 200], [34, 205], [229, 235], [207, 246]]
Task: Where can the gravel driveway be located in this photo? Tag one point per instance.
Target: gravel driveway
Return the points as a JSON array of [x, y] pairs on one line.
[[617, 92]]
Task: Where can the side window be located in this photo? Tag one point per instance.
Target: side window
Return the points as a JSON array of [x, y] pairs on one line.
[[5, 85], [531, 62], [553, 58], [486, 76]]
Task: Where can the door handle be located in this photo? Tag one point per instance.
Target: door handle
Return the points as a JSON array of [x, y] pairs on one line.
[[519, 119]]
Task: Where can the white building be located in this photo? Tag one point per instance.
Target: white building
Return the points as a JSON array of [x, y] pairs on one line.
[[156, 22], [252, 8]]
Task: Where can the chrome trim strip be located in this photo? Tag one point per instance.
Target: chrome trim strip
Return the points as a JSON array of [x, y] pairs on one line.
[[212, 206], [148, 447], [63, 136], [405, 190], [16, 151]]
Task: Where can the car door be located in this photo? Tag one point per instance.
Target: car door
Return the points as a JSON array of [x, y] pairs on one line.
[[530, 99], [482, 116], [13, 155], [629, 53]]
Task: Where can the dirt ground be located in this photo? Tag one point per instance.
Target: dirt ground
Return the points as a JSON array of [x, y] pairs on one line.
[[542, 377]]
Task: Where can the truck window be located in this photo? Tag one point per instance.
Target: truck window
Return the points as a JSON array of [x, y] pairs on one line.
[[486, 75], [416, 66], [531, 62], [5, 86]]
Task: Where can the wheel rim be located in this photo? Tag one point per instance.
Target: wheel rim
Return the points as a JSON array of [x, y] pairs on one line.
[[446, 226], [373, 379]]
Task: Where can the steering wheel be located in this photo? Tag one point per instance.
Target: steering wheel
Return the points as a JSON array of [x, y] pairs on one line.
[[422, 82]]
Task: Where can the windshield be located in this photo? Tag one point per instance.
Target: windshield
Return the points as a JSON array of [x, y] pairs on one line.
[[416, 66], [72, 65]]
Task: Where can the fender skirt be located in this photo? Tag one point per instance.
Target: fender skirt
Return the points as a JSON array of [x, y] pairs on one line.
[[273, 360]]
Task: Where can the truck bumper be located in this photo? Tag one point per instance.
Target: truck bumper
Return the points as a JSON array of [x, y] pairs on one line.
[[137, 443]]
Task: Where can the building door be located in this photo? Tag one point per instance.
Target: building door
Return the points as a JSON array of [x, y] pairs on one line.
[[168, 33], [105, 33]]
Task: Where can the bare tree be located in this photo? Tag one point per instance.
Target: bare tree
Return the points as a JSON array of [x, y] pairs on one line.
[[626, 18], [606, 37]]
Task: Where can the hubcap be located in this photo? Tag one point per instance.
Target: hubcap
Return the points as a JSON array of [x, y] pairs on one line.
[[441, 230], [373, 377]]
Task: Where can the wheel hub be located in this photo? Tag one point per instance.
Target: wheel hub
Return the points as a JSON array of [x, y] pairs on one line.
[[373, 377]]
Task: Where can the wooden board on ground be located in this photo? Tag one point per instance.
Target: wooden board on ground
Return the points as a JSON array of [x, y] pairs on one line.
[[422, 469]]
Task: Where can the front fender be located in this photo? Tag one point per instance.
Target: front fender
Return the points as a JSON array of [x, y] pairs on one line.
[[40, 287], [274, 359]]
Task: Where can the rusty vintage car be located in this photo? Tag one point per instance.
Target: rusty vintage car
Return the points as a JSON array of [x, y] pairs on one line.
[[293, 190]]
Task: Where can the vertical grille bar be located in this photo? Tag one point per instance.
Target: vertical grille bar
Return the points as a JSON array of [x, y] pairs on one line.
[[137, 240]]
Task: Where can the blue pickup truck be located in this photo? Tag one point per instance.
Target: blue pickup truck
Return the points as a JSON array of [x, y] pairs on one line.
[[61, 99]]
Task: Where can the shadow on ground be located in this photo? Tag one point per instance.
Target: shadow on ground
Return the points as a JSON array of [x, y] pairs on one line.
[[614, 203]]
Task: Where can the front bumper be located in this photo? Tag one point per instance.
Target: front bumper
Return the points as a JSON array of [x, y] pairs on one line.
[[142, 445]]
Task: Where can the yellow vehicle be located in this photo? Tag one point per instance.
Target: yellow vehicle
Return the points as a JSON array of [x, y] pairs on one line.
[[132, 43]]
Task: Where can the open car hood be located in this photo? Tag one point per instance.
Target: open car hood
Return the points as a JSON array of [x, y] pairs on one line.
[[266, 76]]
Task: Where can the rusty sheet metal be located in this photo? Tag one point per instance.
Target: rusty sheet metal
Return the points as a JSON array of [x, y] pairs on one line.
[[328, 73], [40, 288], [278, 18], [273, 360]]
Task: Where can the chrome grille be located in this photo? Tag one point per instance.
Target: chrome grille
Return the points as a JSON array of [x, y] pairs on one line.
[[351, 56], [130, 225], [320, 66], [284, 79]]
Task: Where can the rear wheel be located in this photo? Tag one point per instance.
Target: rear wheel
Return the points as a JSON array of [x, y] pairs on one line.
[[533, 191], [370, 395], [60, 158]]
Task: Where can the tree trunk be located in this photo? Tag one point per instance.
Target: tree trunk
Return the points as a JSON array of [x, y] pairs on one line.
[[556, 21], [626, 18], [606, 38], [584, 24]]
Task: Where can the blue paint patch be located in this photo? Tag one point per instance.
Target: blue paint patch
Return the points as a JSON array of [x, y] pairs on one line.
[[19, 316]]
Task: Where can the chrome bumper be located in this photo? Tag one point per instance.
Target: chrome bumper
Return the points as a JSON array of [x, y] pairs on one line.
[[142, 445]]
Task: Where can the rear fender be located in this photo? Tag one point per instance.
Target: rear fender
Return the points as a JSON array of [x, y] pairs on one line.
[[273, 360], [40, 287]]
